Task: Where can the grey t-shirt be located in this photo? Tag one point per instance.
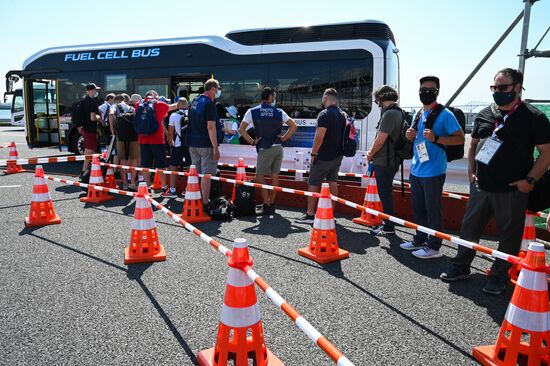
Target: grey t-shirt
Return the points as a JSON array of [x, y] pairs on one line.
[[390, 123]]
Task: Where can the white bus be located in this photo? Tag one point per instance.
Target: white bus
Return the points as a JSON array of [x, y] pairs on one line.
[[300, 62]]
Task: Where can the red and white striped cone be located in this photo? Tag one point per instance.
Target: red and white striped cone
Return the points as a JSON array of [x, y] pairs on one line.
[[193, 210], [240, 316], [372, 201], [110, 181], [42, 212], [157, 184], [13, 167], [240, 175], [323, 245], [529, 235], [96, 178], [524, 338], [144, 243]]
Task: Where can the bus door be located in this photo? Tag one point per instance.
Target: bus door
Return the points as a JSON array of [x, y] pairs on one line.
[[188, 86], [42, 118]]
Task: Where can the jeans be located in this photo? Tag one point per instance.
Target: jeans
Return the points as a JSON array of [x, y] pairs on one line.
[[508, 209], [384, 182], [426, 202]]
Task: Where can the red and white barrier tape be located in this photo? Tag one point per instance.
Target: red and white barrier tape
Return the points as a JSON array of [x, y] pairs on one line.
[[96, 187], [48, 160]]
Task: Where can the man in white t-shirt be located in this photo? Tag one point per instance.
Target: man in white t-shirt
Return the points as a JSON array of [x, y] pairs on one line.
[[176, 139], [268, 122]]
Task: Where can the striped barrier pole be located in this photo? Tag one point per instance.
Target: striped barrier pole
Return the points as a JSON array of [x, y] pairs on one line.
[[321, 341], [97, 188], [453, 239], [48, 160]]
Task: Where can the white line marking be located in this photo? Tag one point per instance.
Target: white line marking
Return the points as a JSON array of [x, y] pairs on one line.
[[14, 186]]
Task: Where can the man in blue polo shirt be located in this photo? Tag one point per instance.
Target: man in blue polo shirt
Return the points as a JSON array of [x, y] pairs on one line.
[[268, 121], [428, 169], [202, 134]]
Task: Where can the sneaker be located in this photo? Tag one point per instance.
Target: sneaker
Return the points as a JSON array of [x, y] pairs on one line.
[[495, 285], [306, 219], [168, 193], [380, 231], [265, 210], [411, 245], [427, 253], [454, 274]]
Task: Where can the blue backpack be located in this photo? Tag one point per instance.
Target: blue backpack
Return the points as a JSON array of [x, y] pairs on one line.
[[145, 121]]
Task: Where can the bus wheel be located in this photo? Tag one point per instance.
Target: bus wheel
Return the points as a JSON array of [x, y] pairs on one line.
[[77, 143]]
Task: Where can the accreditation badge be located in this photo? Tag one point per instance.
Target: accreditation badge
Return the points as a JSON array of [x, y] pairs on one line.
[[488, 150], [422, 152]]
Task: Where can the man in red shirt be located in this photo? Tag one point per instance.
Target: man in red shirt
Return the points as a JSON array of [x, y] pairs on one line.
[[153, 148]]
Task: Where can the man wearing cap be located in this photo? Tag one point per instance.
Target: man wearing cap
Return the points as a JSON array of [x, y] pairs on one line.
[[502, 172], [88, 130], [268, 122], [428, 168]]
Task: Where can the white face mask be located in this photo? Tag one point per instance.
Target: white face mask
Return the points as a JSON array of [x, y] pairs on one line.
[[218, 93], [274, 102], [96, 94]]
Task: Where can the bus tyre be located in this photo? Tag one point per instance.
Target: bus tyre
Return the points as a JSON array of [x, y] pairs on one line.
[[77, 143]]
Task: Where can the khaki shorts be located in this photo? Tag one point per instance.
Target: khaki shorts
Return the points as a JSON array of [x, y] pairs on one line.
[[269, 161], [127, 150], [203, 159], [321, 170]]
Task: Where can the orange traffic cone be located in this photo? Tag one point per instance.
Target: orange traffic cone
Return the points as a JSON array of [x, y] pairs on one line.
[[144, 243], [157, 184], [529, 235], [96, 178], [240, 175], [42, 212], [323, 245], [372, 201], [525, 333], [110, 181], [192, 206], [240, 315], [13, 167]]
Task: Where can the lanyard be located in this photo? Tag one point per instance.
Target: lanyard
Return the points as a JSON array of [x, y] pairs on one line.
[[431, 110], [498, 125]]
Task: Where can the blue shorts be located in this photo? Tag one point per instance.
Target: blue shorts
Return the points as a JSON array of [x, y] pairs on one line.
[[153, 152]]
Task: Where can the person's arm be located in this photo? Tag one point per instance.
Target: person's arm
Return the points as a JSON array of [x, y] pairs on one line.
[[456, 137], [537, 171], [171, 133], [317, 142], [213, 135], [471, 159], [244, 133], [292, 127], [112, 120], [377, 145]]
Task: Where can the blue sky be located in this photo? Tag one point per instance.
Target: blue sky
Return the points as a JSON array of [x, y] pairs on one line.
[[441, 37]]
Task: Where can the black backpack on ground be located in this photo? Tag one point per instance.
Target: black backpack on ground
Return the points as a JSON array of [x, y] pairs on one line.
[[216, 189], [219, 209], [125, 125], [454, 152], [78, 116], [244, 201]]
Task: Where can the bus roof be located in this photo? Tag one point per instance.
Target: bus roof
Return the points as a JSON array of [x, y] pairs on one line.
[[367, 29]]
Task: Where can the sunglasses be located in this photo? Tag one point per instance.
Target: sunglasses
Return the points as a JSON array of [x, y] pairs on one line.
[[423, 89], [501, 87]]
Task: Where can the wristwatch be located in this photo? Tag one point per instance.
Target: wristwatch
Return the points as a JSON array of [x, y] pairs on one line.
[[313, 154], [531, 180]]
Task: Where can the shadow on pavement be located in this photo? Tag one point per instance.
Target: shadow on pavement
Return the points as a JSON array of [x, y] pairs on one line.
[[275, 226], [29, 203]]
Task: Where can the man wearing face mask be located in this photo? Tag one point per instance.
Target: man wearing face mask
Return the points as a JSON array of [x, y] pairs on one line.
[[202, 134], [267, 121], [502, 172], [429, 165]]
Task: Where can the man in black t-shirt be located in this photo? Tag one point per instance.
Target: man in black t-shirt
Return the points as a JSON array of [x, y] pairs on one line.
[[326, 153], [502, 172], [91, 118]]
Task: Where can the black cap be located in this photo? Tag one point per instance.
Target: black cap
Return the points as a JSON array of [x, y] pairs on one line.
[[435, 79], [92, 86]]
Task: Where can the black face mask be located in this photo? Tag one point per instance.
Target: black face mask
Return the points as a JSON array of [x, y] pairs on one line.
[[504, 98], [427, 96]]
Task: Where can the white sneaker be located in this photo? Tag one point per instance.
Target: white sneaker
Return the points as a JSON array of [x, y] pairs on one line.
[[427, 253], [411, 245]]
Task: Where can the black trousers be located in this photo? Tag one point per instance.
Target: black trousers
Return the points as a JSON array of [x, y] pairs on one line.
[[508, 209]]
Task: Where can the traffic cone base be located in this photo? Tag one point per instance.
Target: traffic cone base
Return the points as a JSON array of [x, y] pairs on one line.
[[42, 214], [95, 196], [206, 358], [153, 251], [193, 212]]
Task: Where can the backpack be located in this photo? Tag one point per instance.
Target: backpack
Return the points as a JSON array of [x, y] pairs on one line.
[[78, 117], [125, 125], [402, 147], [454, 152], [184, 122], [219, 209], [145, 122], [349, 144], [244, 201]]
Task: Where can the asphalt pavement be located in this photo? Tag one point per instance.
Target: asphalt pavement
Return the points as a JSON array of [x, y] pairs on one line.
[[68, 299]]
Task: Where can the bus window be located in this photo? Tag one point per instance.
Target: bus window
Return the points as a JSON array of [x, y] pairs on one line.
[[18, 105], [116, 83], [160, 85]]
